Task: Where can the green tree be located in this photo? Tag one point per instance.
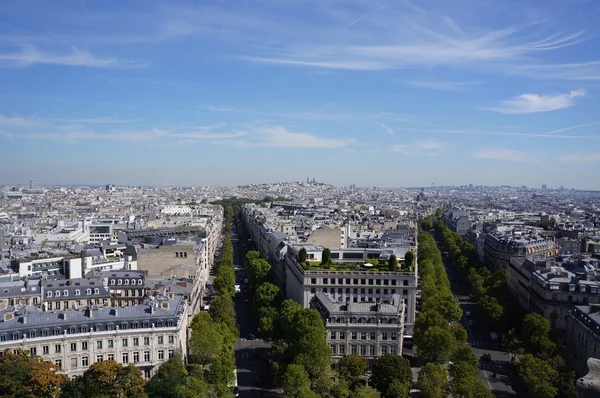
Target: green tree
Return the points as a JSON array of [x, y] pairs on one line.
[[206, 341], [341, 389], [294, 379], [326, 257], [398, 389], [436, 345], [267, 295], [538, 375], [464, 353], [169, 377], [445, 303], [393, 263], [109, 379], [433, 381], [352, 368], [427, 320], [366, 392], [26, 376], [535, 335], [258, 271], [302, 255], [251, 256], [459, 332], [409, 259], [388, 368], [221, 310], [268, 323]]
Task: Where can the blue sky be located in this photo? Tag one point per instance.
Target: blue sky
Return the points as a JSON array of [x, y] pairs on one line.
[[386, 93]]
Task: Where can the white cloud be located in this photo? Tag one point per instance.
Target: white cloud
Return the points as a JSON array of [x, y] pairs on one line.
[[531, 103], [431, 143], [18, 121], [386, 128], [580, 158], [29, 55], [7, 135], [502, 154], [282, 138], [441, 85]]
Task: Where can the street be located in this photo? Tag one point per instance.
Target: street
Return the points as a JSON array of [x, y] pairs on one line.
[[479, 338], [251, 353]]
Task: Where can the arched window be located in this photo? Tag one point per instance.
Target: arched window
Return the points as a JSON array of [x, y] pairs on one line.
[[57, 293], [88, 291], [112, 281], [77, 292], [49, 293], [96, 291], [126, 282], [120, 282], [65, 293]]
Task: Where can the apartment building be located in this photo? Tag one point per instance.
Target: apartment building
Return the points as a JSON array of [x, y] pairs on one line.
[[366, 329], [502, 245], [583, 337], [458, 220], [145, 335]]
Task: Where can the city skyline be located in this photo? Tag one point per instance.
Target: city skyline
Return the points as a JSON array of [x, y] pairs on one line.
[[390, 94]]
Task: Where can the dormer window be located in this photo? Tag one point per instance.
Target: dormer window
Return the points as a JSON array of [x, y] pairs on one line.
[[126, 282], [96, 291], [88, 291], [120, 282], [65, 293], [57, 294], [49, 294], [112, 281], [77, 292]]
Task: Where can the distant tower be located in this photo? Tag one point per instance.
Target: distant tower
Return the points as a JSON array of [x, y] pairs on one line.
[[544, 186], [307, 180], [31, 183]]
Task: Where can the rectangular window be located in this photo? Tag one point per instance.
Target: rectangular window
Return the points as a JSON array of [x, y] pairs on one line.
[[373, 335], [146, 356], [363, 335], [342, 349], [324, 290], [363, 350], [171, 353], [171, 339], [384, 349], [333, 346], [111, 344], [45, 350], [84, 345], [99, 358], [146, 340], [384, 335], [125, 357], [313, 290], [356, 281], [354, 335], [73, 363], [99, 344], [394, 335], [57, 348], [85, 361], [393, 350], [353, 349], [372, 350], [136, 357], [136, 341], [405, 292], [111, 357], [161, 355], [58, 363], [124, 342], [161, 340], [313, 281], [73, 346], [378, 281], [333, 335], [342, 335], [325, 280], [33, 351]]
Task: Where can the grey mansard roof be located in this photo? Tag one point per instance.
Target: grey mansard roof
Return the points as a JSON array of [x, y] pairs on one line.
[[334, 308], [131, 317]]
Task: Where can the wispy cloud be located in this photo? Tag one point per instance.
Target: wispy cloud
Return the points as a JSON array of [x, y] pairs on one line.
[[441, 85], [386, 128], [280, 137], [429, 147], [18, 121], [29, 55], [502, 154], [580, 158], [107, 119], [532, 103]]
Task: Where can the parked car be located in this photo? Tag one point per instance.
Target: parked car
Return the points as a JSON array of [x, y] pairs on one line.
[[486, 357]]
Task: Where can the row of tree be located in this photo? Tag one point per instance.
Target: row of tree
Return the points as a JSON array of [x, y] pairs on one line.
[[542, 370], [440, 340]]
